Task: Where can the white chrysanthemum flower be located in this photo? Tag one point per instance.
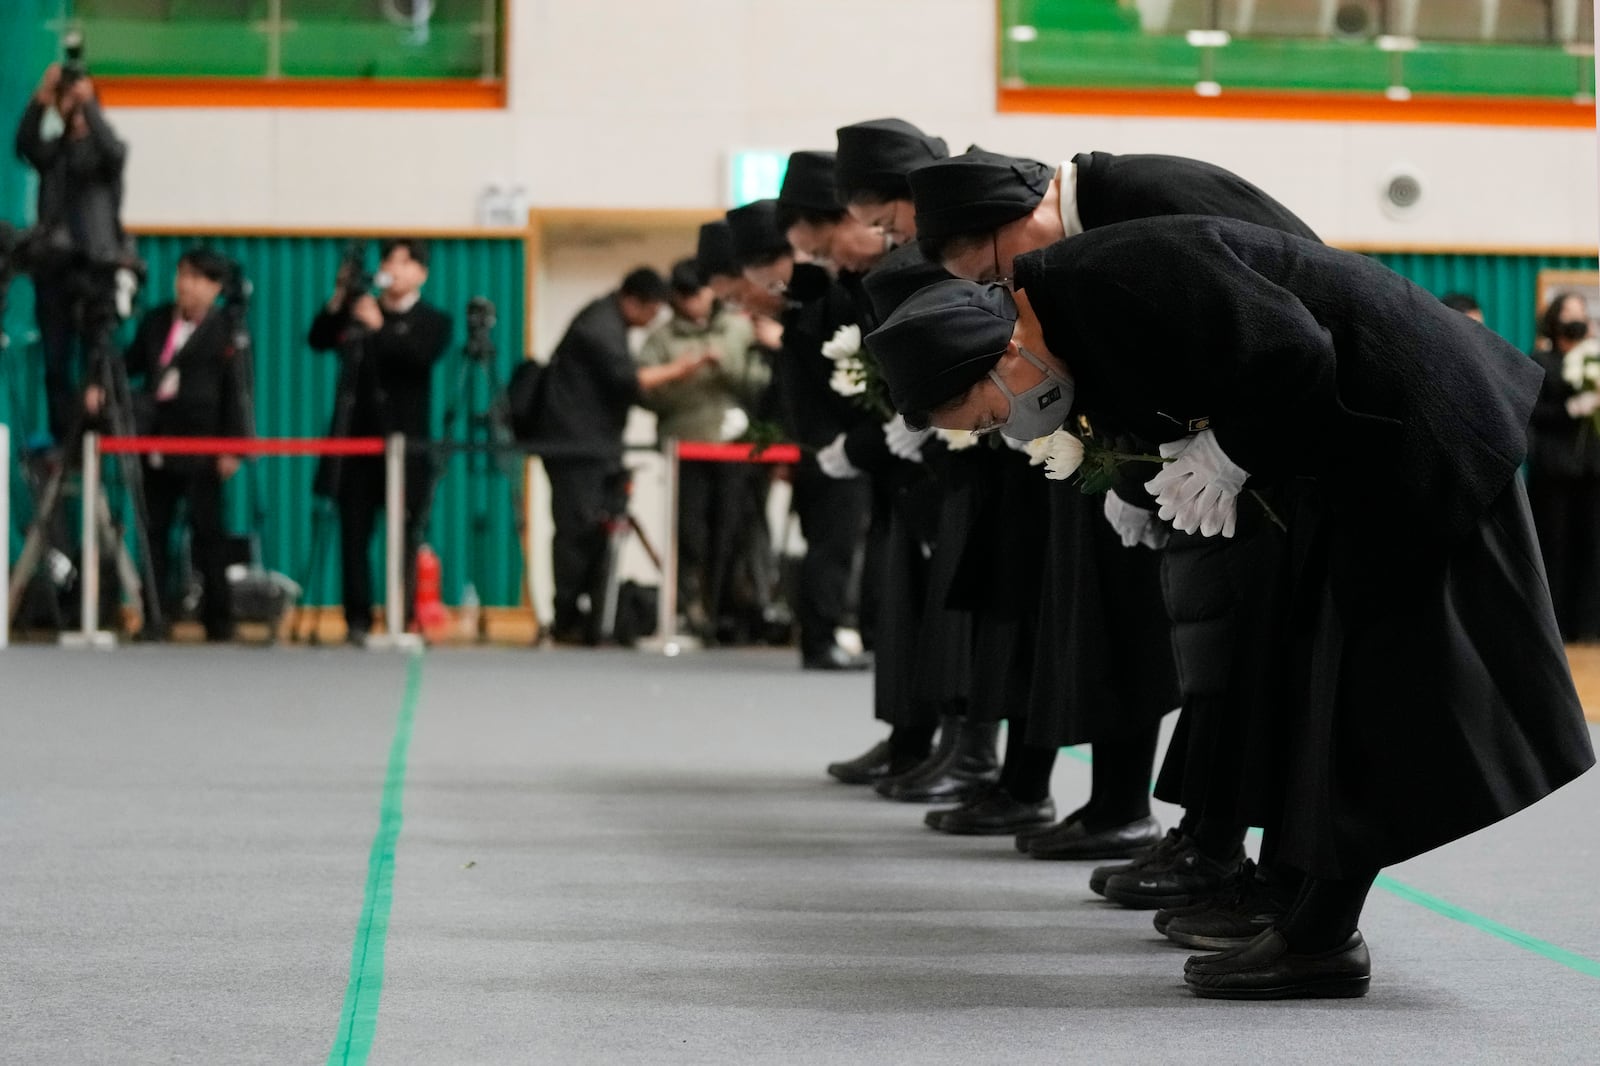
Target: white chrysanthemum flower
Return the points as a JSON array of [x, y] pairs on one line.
[[1063, 455], [844, 344], [848, 380], [958, 440], [1580, 367], [1038, 450]]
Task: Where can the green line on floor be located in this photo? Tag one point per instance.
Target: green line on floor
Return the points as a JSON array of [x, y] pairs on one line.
[[1570, 959], [358, 1022]]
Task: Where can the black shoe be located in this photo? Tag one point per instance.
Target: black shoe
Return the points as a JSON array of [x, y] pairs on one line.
[[877, 763], [964, 763], [834, 657], [1185, 876], [1225, 896], [1073, 840], [1265, 968], [1233, 920], [1164, 847], [992, 812], [357, 637]]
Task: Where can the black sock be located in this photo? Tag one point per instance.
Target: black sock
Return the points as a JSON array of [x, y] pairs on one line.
[[1190, 819], [1284, 882], [1120, 773], [1026, 771], [1217, 838], [911, 741], [1326, 913]]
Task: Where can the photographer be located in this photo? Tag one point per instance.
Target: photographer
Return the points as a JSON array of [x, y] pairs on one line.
[[79, 242], [391, 344], [188, 355]]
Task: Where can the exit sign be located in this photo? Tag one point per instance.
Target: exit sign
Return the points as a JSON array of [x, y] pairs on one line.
[[755, 175]]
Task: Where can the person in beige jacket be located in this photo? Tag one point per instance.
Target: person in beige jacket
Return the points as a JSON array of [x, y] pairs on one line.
[[711, 404]]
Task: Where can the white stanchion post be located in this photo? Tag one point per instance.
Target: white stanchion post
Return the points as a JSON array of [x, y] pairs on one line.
[[5, 532], [90, 635], [668, 641], [394, 505]]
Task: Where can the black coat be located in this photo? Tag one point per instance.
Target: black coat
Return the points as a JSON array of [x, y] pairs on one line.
[[813, 413], [1119, 188], [393, 388], [591, 381], [80, 187], [1428, 693], [213, 390], [1563, 447]]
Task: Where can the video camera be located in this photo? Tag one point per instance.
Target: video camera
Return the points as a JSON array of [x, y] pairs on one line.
[[480, 324], [354, 277]]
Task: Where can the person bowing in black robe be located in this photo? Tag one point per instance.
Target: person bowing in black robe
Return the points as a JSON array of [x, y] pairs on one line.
[[1428, 694]]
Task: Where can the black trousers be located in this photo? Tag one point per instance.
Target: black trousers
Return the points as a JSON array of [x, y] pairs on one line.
[[1566, 512], [713, 500], [197, 481], [584, 493], [833, 519], [360, 499], [70, 304]]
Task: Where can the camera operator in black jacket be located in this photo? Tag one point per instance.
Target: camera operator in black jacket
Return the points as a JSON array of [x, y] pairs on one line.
[[195, 384], [79, 242], [393, 342]]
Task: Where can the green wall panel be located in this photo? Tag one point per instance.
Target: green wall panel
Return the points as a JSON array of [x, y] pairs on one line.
[[1506, 285], [292, 277]]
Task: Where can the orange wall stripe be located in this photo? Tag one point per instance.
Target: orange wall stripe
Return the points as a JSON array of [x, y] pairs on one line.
[[1289, 106], [300, 92]]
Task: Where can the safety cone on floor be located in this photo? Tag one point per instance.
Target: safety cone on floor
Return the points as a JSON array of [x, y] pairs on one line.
[[432, 618]]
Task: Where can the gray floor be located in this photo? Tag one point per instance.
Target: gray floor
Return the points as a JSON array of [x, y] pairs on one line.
[[609, 857]]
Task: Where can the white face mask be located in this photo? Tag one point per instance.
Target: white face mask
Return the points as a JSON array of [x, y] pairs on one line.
[[1039, 411]]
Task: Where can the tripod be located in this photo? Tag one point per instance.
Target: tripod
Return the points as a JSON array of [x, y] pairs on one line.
[[98, 321], [478, 393]]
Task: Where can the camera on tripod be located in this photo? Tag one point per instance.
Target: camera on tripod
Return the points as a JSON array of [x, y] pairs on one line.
[[480, 345]]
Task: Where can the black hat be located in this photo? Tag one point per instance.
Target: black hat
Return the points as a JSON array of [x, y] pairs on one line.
[[940, 342], [902, 272], [880, 153], [714, 250], [808, 184], [976, 192], [755, 232]]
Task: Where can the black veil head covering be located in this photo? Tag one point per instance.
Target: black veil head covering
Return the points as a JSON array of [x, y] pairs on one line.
[[902, 272], [809, 183], [753, 229], [939, 343], [976, 192], [878, 154], [714, 250]]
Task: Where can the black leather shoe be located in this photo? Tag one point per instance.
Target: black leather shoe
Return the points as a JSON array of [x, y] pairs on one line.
[[877, 763], [1185, 876], [992, 812], [1073, 840], [834, 657], [964, 763], [1265, 968], [1162, 850], [1254, 905], [1226, 895]]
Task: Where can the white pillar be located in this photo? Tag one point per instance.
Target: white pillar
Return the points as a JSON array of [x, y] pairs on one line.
[[90, 636], [394, 556]]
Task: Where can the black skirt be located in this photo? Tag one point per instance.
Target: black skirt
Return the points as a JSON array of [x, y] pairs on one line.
[[1431, 694], [1102, 664]]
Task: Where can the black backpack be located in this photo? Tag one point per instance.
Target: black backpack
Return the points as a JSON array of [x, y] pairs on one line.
[[525, 399]]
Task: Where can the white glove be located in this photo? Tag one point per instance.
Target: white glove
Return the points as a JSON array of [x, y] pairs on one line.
[[1196, 490], [1134, 525], [833, 461], [734, 423], [1583, 405], [905, 442]]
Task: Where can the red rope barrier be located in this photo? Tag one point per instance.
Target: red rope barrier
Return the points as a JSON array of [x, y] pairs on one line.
[[242, 445], [699, 452]]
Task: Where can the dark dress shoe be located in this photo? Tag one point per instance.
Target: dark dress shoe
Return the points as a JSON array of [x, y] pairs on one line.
[[1186, 876], [1164, 849], [992, 813], [835, 658], [1073, 840], [877, 763], [964, 763], [1265, 968]]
